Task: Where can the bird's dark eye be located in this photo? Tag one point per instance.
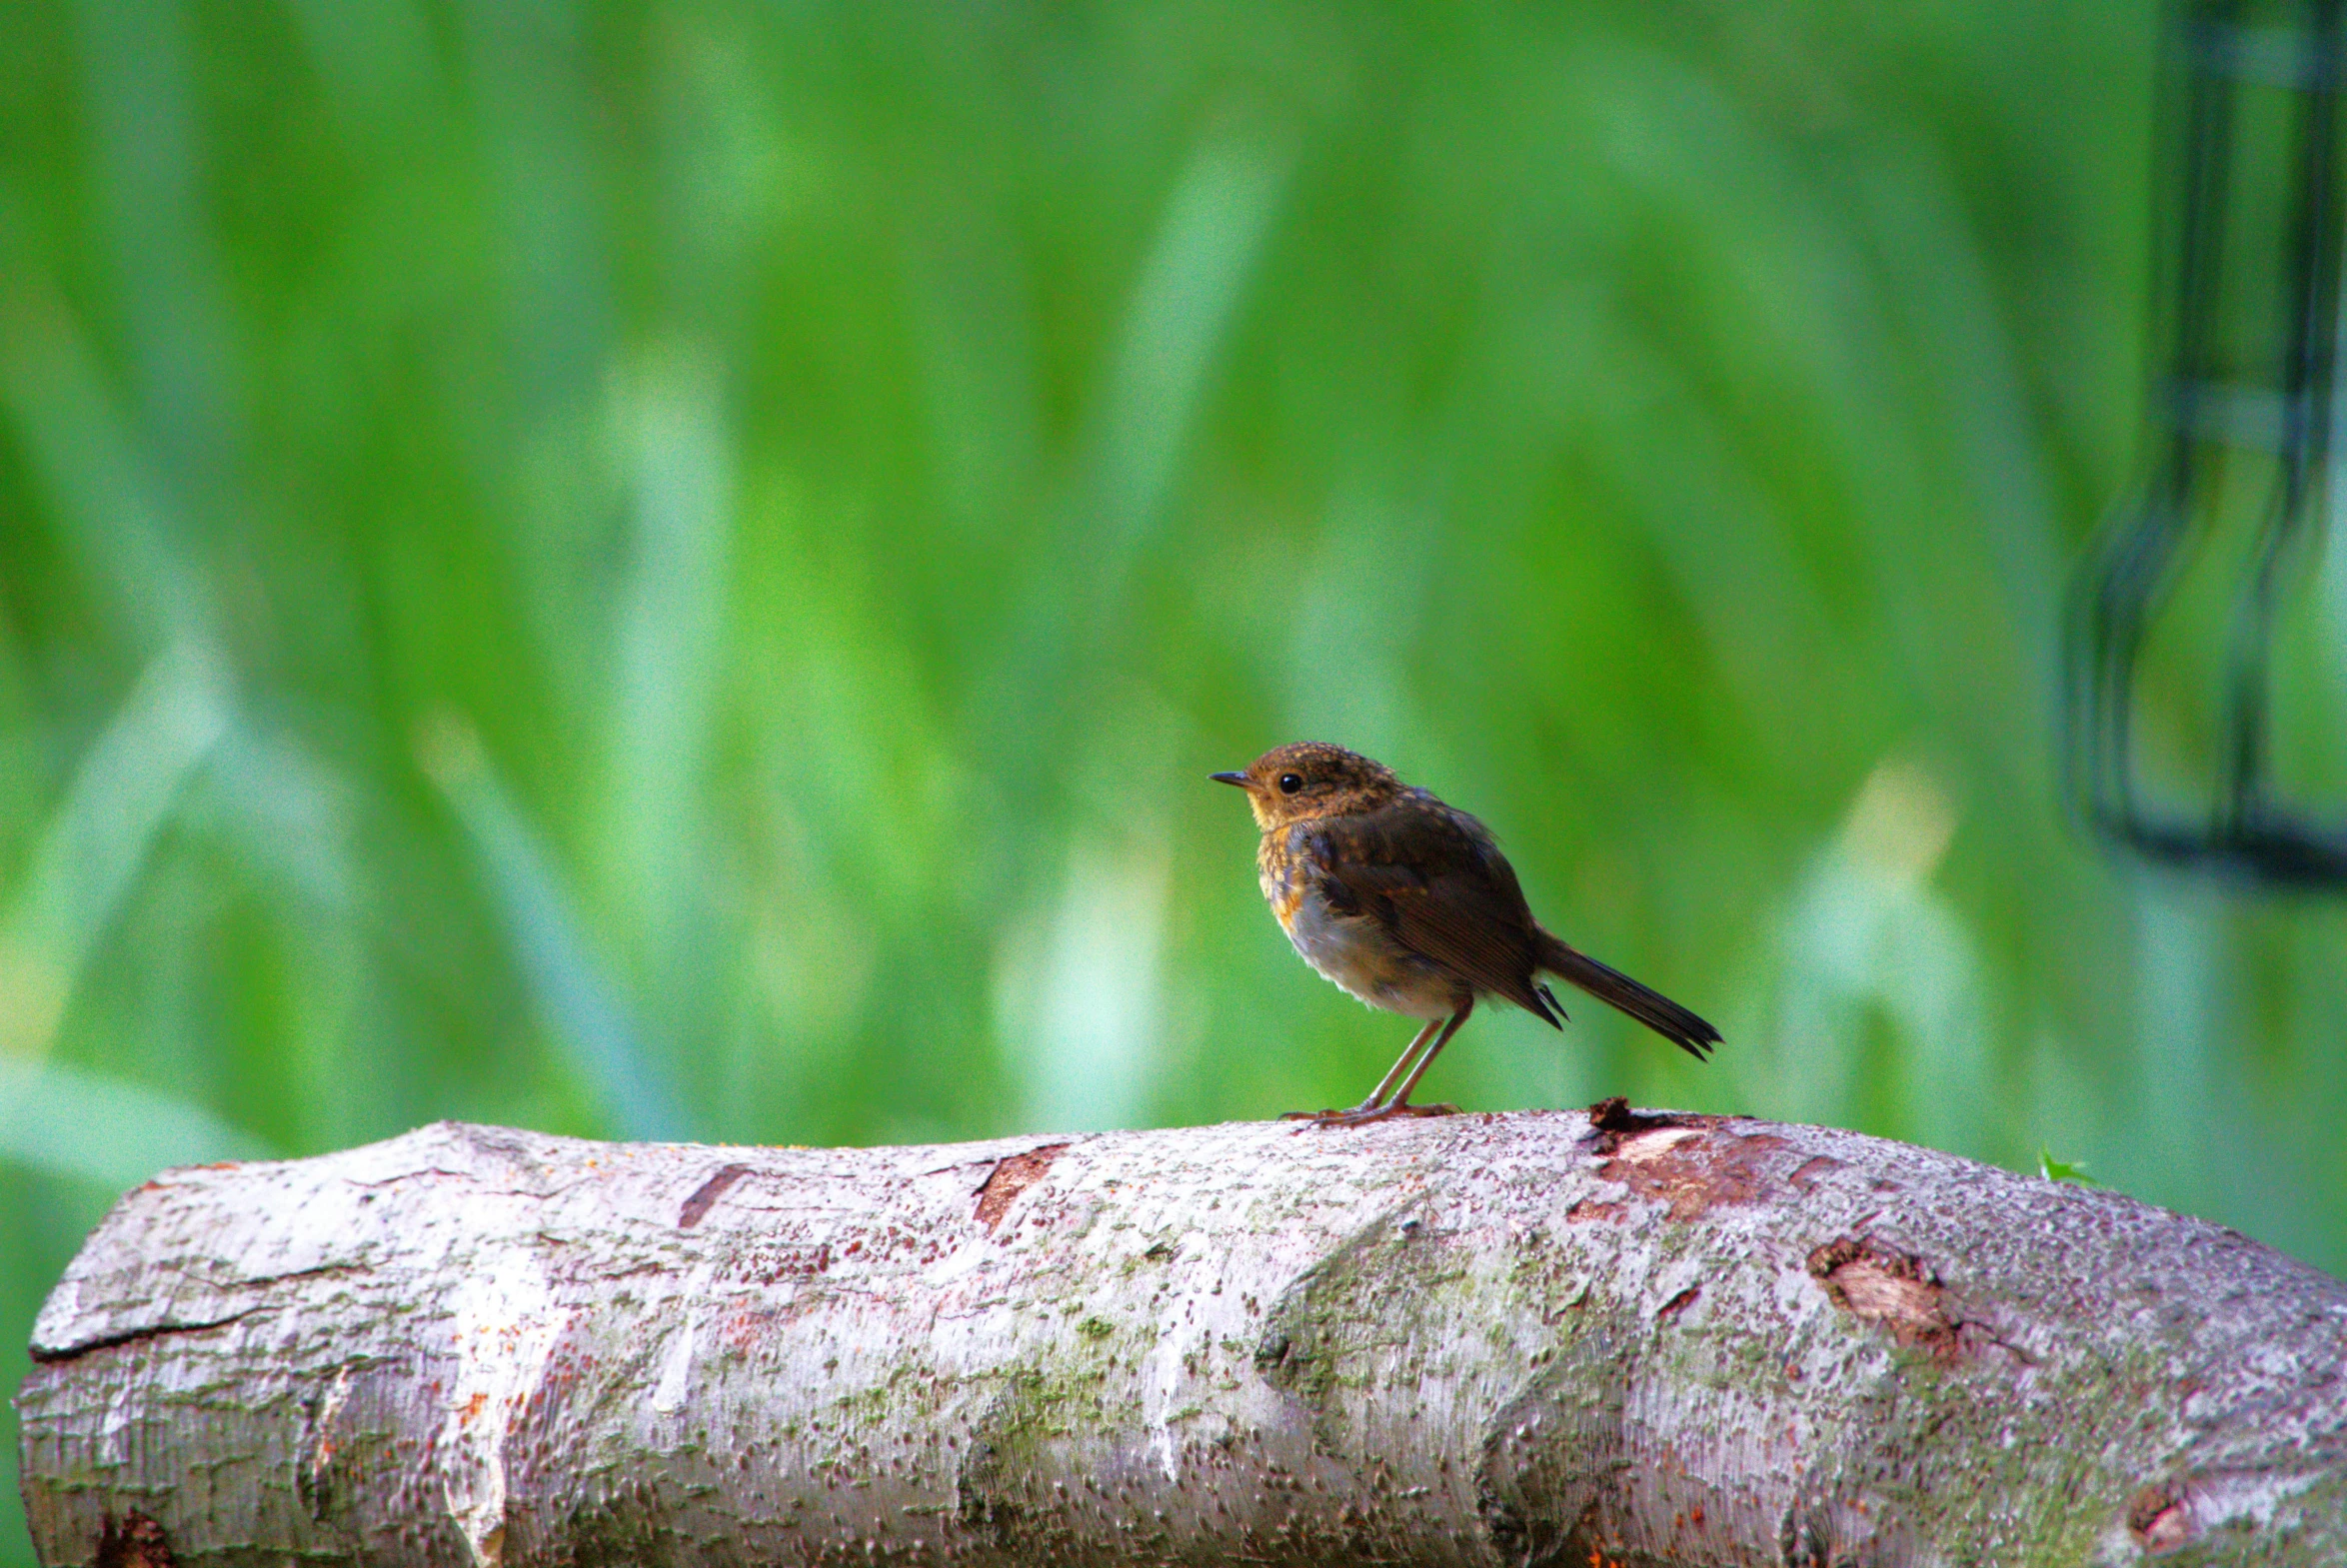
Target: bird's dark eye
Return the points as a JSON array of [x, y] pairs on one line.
[[1291, 782]]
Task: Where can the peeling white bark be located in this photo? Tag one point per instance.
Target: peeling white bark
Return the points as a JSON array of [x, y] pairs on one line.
[[1480, 1339]]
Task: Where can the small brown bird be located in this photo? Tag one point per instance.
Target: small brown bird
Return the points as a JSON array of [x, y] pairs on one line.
[[1408, 905]]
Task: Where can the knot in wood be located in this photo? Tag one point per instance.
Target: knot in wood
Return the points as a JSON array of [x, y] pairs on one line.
[[1878, 1284], [137, 1542]]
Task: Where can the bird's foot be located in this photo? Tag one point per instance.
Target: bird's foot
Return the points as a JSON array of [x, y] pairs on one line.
[[1363, 1115]]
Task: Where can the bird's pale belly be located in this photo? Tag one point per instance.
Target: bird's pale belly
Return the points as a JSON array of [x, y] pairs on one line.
[[1355, 952]]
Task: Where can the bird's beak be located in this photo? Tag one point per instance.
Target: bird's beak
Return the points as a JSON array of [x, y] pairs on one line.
[[1230, 779]]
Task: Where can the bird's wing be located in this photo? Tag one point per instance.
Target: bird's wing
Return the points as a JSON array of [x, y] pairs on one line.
[[1435, 879]]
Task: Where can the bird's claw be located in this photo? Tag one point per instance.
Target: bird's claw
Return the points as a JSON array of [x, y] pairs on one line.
[[1363, 1115]]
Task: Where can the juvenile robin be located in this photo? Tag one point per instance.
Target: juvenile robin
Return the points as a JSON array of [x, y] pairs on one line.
[[1408, 905]]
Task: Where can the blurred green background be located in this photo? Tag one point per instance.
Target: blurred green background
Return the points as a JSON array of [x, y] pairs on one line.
[[676, 570]]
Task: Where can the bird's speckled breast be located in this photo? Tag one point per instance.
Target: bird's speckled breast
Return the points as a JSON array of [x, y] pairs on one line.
[[1354, 951]]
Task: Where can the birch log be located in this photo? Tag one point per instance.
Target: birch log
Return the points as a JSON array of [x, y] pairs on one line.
[[1517, 1339]]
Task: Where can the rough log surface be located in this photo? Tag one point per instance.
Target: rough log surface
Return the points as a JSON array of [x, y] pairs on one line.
[[1484, 1339]]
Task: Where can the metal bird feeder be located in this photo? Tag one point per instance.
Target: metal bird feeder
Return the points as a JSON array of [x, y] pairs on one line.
[[2239, 425]]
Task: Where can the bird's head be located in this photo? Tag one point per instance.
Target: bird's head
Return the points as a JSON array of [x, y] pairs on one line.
[[1294, 783]]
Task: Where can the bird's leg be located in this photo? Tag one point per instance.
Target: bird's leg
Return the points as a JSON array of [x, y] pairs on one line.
[[1400, 1105], [1376, 1110], [1377, 1094], [1393, 1073]]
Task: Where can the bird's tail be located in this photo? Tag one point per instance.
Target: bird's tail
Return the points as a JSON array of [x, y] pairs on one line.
[[1616, 989]]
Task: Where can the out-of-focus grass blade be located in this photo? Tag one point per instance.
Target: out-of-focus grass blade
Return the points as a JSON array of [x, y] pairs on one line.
[[109, 501], [1942, 288], [2184, 1075], [147, 138], [63, 1122], [1179, 319], [1871, 940], [1083, 1017], [671, 645], [374, 57], [98, 838], [287, 811], [1174, 327], [528, 68], [571, 992]]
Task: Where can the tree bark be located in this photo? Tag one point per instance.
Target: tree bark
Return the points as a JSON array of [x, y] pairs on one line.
[[1484, 1339]]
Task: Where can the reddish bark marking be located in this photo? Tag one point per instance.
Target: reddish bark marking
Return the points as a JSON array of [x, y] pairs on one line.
[[1590, 1208], [2158, 1519], [138, 1542], [1693, 1166], [1011, 1176], [1816, 1165], [1677, 1303], [1878, 1285], [771, 1262], [705, 1196]]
